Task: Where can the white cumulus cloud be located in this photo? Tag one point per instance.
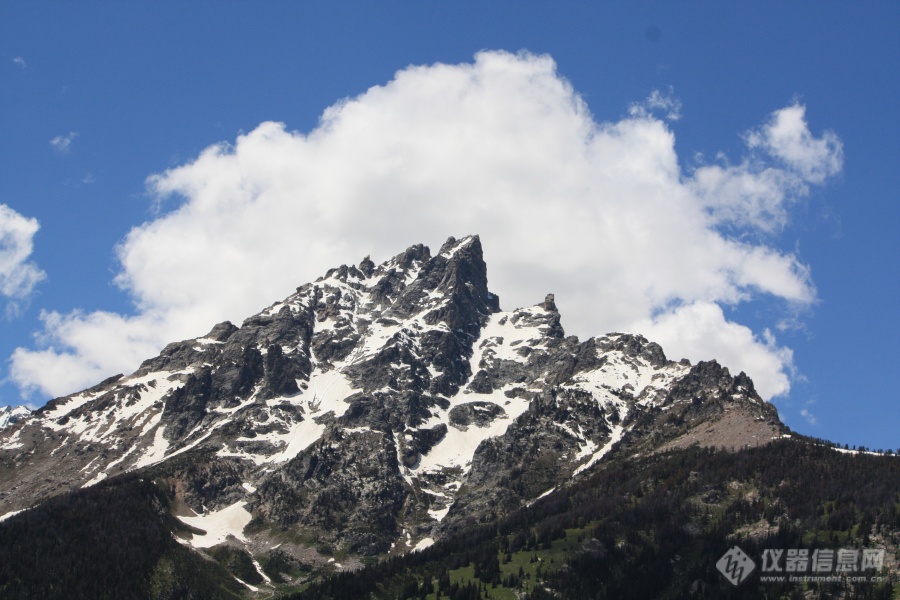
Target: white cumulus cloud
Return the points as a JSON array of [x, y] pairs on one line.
[[598, 212], [18, 275], [784, 159], [786, 136]]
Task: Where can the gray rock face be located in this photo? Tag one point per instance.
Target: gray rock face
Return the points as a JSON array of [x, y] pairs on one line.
[[476, 414], [374, 409]]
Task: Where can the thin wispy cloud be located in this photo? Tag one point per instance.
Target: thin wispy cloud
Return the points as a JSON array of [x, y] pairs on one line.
[[598, 212], [666, 105], [63, 143], [20, 62], [810, 417]]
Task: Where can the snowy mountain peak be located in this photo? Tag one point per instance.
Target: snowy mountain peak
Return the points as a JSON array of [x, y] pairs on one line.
[[397, 394], [10, 415]]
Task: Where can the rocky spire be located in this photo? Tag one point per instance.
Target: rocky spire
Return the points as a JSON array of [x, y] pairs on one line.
[[549, 303]]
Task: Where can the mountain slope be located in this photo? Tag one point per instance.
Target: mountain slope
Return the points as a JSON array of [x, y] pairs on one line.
[[375, 410], [654, 527]]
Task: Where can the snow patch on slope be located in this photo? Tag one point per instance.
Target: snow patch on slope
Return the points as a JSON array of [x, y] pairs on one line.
[[218, 525], [614, 438], [458, 446]]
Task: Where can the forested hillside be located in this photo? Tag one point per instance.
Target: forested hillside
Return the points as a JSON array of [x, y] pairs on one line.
[[111, 541], [654, 528]]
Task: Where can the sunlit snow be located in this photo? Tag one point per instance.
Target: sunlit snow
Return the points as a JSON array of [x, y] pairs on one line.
[[218, 525]]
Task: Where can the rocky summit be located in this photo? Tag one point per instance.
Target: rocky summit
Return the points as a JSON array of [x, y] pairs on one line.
[[11, 415], [374, 411]]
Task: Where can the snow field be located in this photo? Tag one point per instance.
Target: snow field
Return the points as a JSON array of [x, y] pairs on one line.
[[218, 525]]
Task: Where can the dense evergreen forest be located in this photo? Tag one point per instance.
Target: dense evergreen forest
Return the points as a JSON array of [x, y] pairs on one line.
[[113, 540]]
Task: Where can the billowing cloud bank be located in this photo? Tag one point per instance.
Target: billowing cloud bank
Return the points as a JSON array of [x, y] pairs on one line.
[[600, 213], [18, 274]]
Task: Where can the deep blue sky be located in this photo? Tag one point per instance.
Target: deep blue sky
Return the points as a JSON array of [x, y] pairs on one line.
[[147, 86]]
